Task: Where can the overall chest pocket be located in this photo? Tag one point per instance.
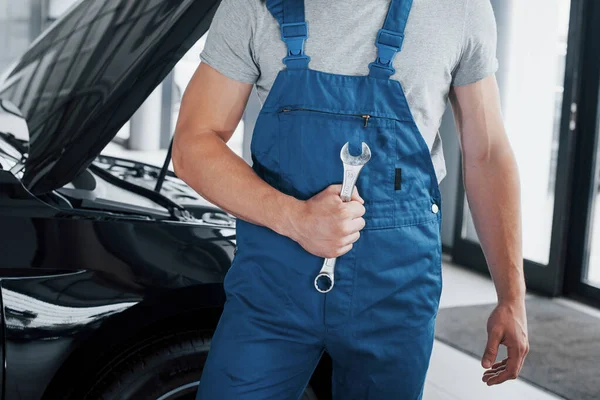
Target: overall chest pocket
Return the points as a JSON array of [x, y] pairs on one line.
[[310, 142]]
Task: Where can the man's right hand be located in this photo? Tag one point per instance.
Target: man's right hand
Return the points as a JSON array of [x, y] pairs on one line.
[[326, 226]]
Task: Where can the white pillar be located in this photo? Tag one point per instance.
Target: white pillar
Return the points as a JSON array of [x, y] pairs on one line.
[[146, 123]]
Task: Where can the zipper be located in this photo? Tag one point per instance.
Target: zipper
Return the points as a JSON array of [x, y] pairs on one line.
[[365, 117]]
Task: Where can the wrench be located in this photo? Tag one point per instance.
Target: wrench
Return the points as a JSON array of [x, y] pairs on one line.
[[352, 165]]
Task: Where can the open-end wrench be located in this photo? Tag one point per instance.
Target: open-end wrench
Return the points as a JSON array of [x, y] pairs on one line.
[[352, 165]]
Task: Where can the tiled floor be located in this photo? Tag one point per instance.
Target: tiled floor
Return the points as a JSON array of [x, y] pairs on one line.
[[453, 375]]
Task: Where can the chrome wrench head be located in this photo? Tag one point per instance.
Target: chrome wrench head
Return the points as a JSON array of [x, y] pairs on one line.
[[349, 159], [325, 280], [352, 167]]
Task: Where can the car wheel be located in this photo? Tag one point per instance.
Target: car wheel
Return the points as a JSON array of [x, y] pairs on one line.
[[168, 368]]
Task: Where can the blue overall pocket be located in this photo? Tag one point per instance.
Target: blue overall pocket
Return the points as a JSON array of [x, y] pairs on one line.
[[310, 141]]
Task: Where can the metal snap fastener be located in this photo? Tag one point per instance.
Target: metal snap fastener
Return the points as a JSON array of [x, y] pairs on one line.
[[434, 208]]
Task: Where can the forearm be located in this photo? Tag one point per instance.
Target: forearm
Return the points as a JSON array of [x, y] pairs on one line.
[[493, 191], [207, 165]]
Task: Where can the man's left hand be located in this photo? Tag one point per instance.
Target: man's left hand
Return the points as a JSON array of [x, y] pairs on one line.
[[507, 325]]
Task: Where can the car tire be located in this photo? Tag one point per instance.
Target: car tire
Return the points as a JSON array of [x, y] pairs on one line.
[[167, 368]]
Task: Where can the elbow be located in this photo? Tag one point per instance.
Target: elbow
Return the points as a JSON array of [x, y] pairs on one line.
[[178, 156], [495, 155], [478, 156], [481, 148]]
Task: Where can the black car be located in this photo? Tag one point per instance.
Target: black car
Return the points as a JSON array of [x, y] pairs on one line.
[[111, 270]]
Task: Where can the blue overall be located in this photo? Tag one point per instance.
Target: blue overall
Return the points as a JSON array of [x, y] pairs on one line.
[[377, 323]]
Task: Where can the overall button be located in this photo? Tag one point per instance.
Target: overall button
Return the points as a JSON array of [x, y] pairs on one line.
[[434, 208]]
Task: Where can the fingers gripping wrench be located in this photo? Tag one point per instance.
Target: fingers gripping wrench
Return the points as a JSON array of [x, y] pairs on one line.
[[352, 166]]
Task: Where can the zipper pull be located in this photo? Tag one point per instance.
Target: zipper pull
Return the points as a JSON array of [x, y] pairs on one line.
[[366, 118], [286, 110]]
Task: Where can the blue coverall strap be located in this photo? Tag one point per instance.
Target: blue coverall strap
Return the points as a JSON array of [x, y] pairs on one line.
[[294, 30], [390, 39]]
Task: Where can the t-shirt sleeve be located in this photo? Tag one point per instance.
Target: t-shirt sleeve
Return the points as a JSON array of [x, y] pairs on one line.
[[228, 47], [478, 57]]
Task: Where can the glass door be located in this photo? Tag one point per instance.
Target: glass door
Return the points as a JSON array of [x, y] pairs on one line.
[[583, 262], [538, 42]]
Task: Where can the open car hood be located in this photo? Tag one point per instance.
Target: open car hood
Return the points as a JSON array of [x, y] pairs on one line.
[[90, 71]]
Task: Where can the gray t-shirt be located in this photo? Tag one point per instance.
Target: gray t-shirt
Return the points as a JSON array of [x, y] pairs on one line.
[[447, 42]]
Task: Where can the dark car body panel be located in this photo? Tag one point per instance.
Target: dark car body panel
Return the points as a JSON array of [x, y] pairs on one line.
[[83, 273]]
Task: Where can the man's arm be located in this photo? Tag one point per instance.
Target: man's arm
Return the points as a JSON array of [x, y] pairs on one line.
[[211, 109], [493, 191]]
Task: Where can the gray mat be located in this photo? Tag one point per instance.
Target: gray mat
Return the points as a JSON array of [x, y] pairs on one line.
[[565, 345]]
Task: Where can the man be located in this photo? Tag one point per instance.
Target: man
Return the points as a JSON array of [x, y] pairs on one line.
[[377, 72]]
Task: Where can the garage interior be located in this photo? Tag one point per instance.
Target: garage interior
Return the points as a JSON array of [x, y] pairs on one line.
[[549, 78]]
